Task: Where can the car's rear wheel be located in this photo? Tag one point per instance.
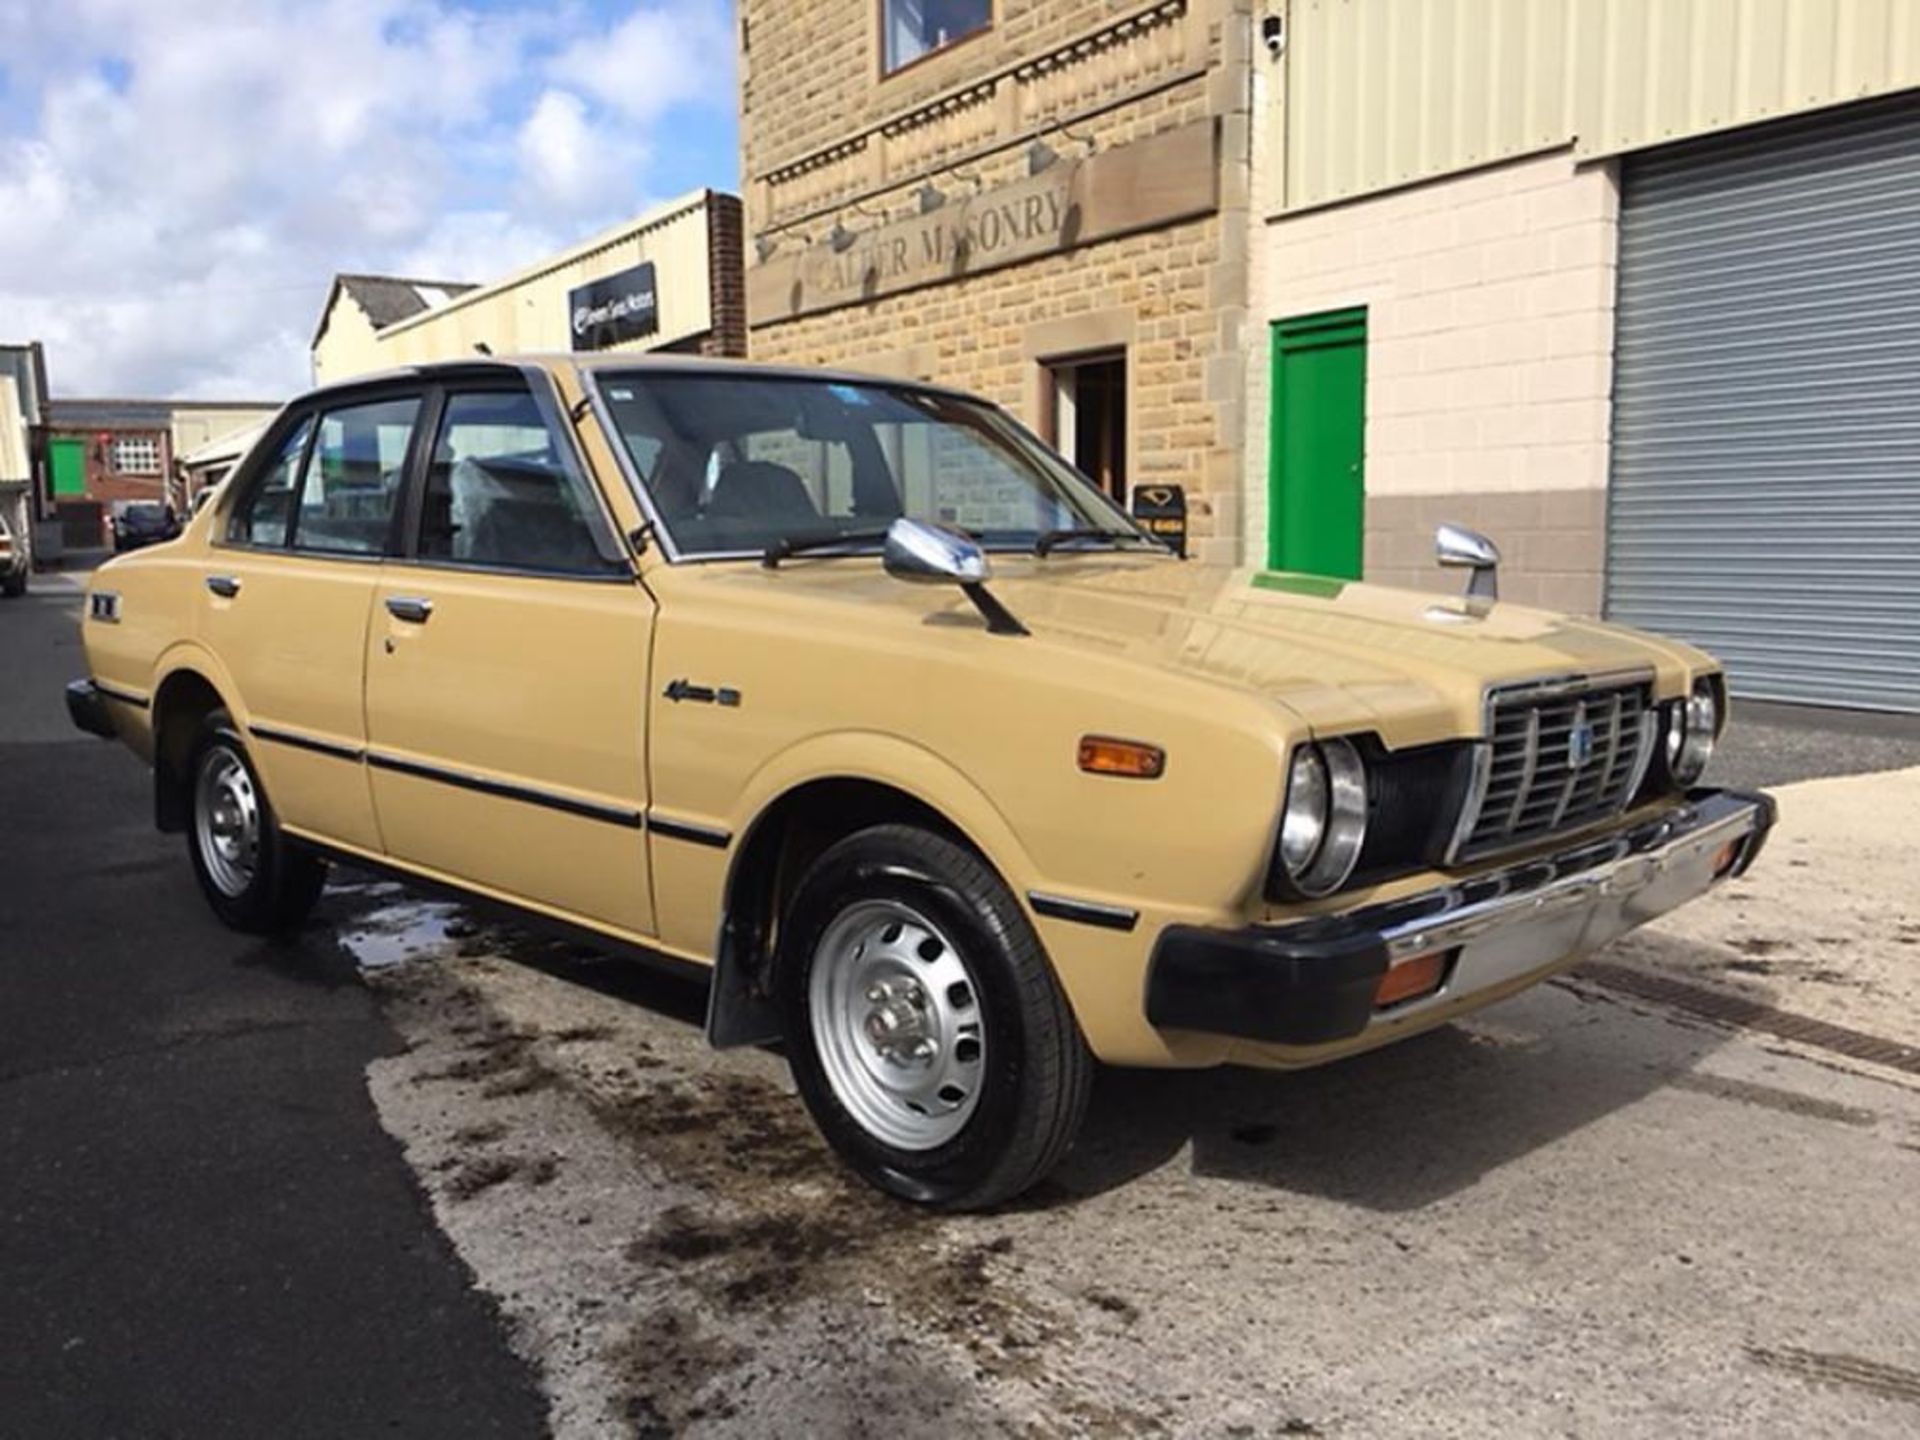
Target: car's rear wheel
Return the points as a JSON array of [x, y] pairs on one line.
[[251, 877], [924, 1026]]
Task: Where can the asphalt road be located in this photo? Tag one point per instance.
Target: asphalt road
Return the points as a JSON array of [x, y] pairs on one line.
[[204, 1230]]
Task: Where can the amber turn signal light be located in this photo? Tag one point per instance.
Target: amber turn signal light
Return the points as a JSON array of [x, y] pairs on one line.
[[1411, 979], [1104, 755], [1728, 857]]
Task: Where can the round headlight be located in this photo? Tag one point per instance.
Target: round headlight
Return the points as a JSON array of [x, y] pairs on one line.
[[1303, 825], [1692, 726], [1324, 822]]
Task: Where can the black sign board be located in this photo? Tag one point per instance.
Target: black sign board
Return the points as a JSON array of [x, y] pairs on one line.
[[1161, 511], [614, 308]]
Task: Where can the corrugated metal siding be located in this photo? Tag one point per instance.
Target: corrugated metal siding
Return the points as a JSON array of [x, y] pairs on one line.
[[1382, 92], [1765, 498]]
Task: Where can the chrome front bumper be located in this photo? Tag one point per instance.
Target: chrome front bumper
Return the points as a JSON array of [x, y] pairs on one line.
[[1313, 981]]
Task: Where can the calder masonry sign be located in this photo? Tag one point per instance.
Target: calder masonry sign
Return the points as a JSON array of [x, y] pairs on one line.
[[1151, 182]]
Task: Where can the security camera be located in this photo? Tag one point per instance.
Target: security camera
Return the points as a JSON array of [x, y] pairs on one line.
[[1273, 30]]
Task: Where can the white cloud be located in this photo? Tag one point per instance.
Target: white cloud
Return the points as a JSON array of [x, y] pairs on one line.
[[180, 181]]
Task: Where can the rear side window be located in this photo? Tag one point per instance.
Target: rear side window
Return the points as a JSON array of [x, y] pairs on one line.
[[261, 516], [499, 492], [354, 477]]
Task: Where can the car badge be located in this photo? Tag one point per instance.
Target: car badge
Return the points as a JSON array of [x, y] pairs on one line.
[[1579, 745]]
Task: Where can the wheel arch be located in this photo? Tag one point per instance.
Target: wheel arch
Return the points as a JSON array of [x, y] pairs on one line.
[[186, 693], [791, 828]]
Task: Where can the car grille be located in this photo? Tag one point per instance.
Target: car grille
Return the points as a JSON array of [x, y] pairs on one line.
[[1559, 759]]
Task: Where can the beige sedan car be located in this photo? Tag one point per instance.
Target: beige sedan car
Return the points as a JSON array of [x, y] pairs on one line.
[[852, 698]]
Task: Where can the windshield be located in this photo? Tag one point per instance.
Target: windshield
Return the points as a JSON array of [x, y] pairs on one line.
[[735, 464]]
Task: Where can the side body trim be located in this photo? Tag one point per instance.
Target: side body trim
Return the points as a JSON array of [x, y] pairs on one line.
[[125, 697], [508, 790], [1086, 912], [307, 742], [687, 830]]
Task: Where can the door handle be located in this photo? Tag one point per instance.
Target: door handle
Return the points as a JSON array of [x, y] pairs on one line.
[[225, 586], [416, 609]]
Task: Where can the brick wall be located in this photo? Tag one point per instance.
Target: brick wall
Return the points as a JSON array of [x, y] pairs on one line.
[[1489, 365], [726, 277]]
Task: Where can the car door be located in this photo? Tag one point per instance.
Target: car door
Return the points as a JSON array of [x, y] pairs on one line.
[[286, 597], [507, 667]]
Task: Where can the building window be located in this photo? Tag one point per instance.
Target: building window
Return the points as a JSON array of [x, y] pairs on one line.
[[136, 455], [912, 28]]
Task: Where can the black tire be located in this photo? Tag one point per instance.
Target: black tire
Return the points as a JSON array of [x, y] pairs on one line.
[[282, 882], [14, 586], [1036, 1073]]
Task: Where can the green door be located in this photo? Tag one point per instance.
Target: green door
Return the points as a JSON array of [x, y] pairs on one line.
[[1316, 505], [68, 461]]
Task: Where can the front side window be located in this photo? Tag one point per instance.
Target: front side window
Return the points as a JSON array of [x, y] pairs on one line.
[[912, 28], [500, 494], [261, 516], [734, 464], [354, 477]]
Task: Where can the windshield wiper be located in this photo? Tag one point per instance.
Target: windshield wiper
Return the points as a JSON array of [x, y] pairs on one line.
[[1048, 539], [799, 544]]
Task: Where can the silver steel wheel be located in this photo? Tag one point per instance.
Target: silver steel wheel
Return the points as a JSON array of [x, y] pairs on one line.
[[897, 1024], [226, 820]]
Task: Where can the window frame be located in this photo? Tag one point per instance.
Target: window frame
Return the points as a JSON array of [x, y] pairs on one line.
[[148, 443], [319, 413], [614, 546], [602, 411], [887, 72]]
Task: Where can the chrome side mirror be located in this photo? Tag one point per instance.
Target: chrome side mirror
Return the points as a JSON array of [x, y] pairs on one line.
[[1458, 548], [933, 555], [928, 554]]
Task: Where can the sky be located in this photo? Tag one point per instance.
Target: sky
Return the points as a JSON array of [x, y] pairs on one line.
[[181, 179]]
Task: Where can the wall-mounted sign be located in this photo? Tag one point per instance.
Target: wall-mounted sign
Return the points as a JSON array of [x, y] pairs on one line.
[[1138, 186], [614, 308], [1161, 511]]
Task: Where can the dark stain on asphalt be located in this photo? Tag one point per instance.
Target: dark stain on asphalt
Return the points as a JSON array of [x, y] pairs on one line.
[[1891, 1382]]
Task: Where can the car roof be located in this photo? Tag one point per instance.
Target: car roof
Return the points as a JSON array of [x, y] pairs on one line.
[[642, 362]]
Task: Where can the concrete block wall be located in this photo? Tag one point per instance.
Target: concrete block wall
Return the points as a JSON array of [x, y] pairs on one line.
[[1489, 302]]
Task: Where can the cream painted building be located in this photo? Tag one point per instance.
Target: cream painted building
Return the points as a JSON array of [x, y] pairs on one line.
[[1632, 285], [668, 279]]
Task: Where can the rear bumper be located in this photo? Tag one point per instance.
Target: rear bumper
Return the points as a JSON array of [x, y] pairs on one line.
[[87, 708], [1312, 982]]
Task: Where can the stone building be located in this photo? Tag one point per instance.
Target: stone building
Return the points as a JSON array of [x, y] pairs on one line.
[[1044, 201]]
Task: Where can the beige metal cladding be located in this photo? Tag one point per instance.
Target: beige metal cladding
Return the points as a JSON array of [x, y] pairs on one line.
[[528, 311], [1380, 93], [13, 433]]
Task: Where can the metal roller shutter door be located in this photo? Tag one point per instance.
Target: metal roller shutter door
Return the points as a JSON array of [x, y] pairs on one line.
[[1765, 498]]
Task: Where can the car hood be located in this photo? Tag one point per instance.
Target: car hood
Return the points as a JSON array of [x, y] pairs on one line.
[[1342, 655]]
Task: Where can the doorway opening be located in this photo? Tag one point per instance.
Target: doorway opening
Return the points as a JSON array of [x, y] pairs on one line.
[[1088, 421]]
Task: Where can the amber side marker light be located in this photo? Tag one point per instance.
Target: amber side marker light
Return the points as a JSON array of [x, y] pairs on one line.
[[1104, 755], [1411, 979]]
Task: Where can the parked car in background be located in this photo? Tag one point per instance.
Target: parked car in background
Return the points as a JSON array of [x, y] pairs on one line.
[[16, 564], [853, 698], [143, 522]]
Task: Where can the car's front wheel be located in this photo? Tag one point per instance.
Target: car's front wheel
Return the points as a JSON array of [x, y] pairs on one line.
[[251, 877], [924, 1026]]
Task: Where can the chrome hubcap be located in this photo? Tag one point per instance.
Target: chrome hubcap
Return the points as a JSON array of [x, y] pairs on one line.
[[897, 1024], [226, 821]]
